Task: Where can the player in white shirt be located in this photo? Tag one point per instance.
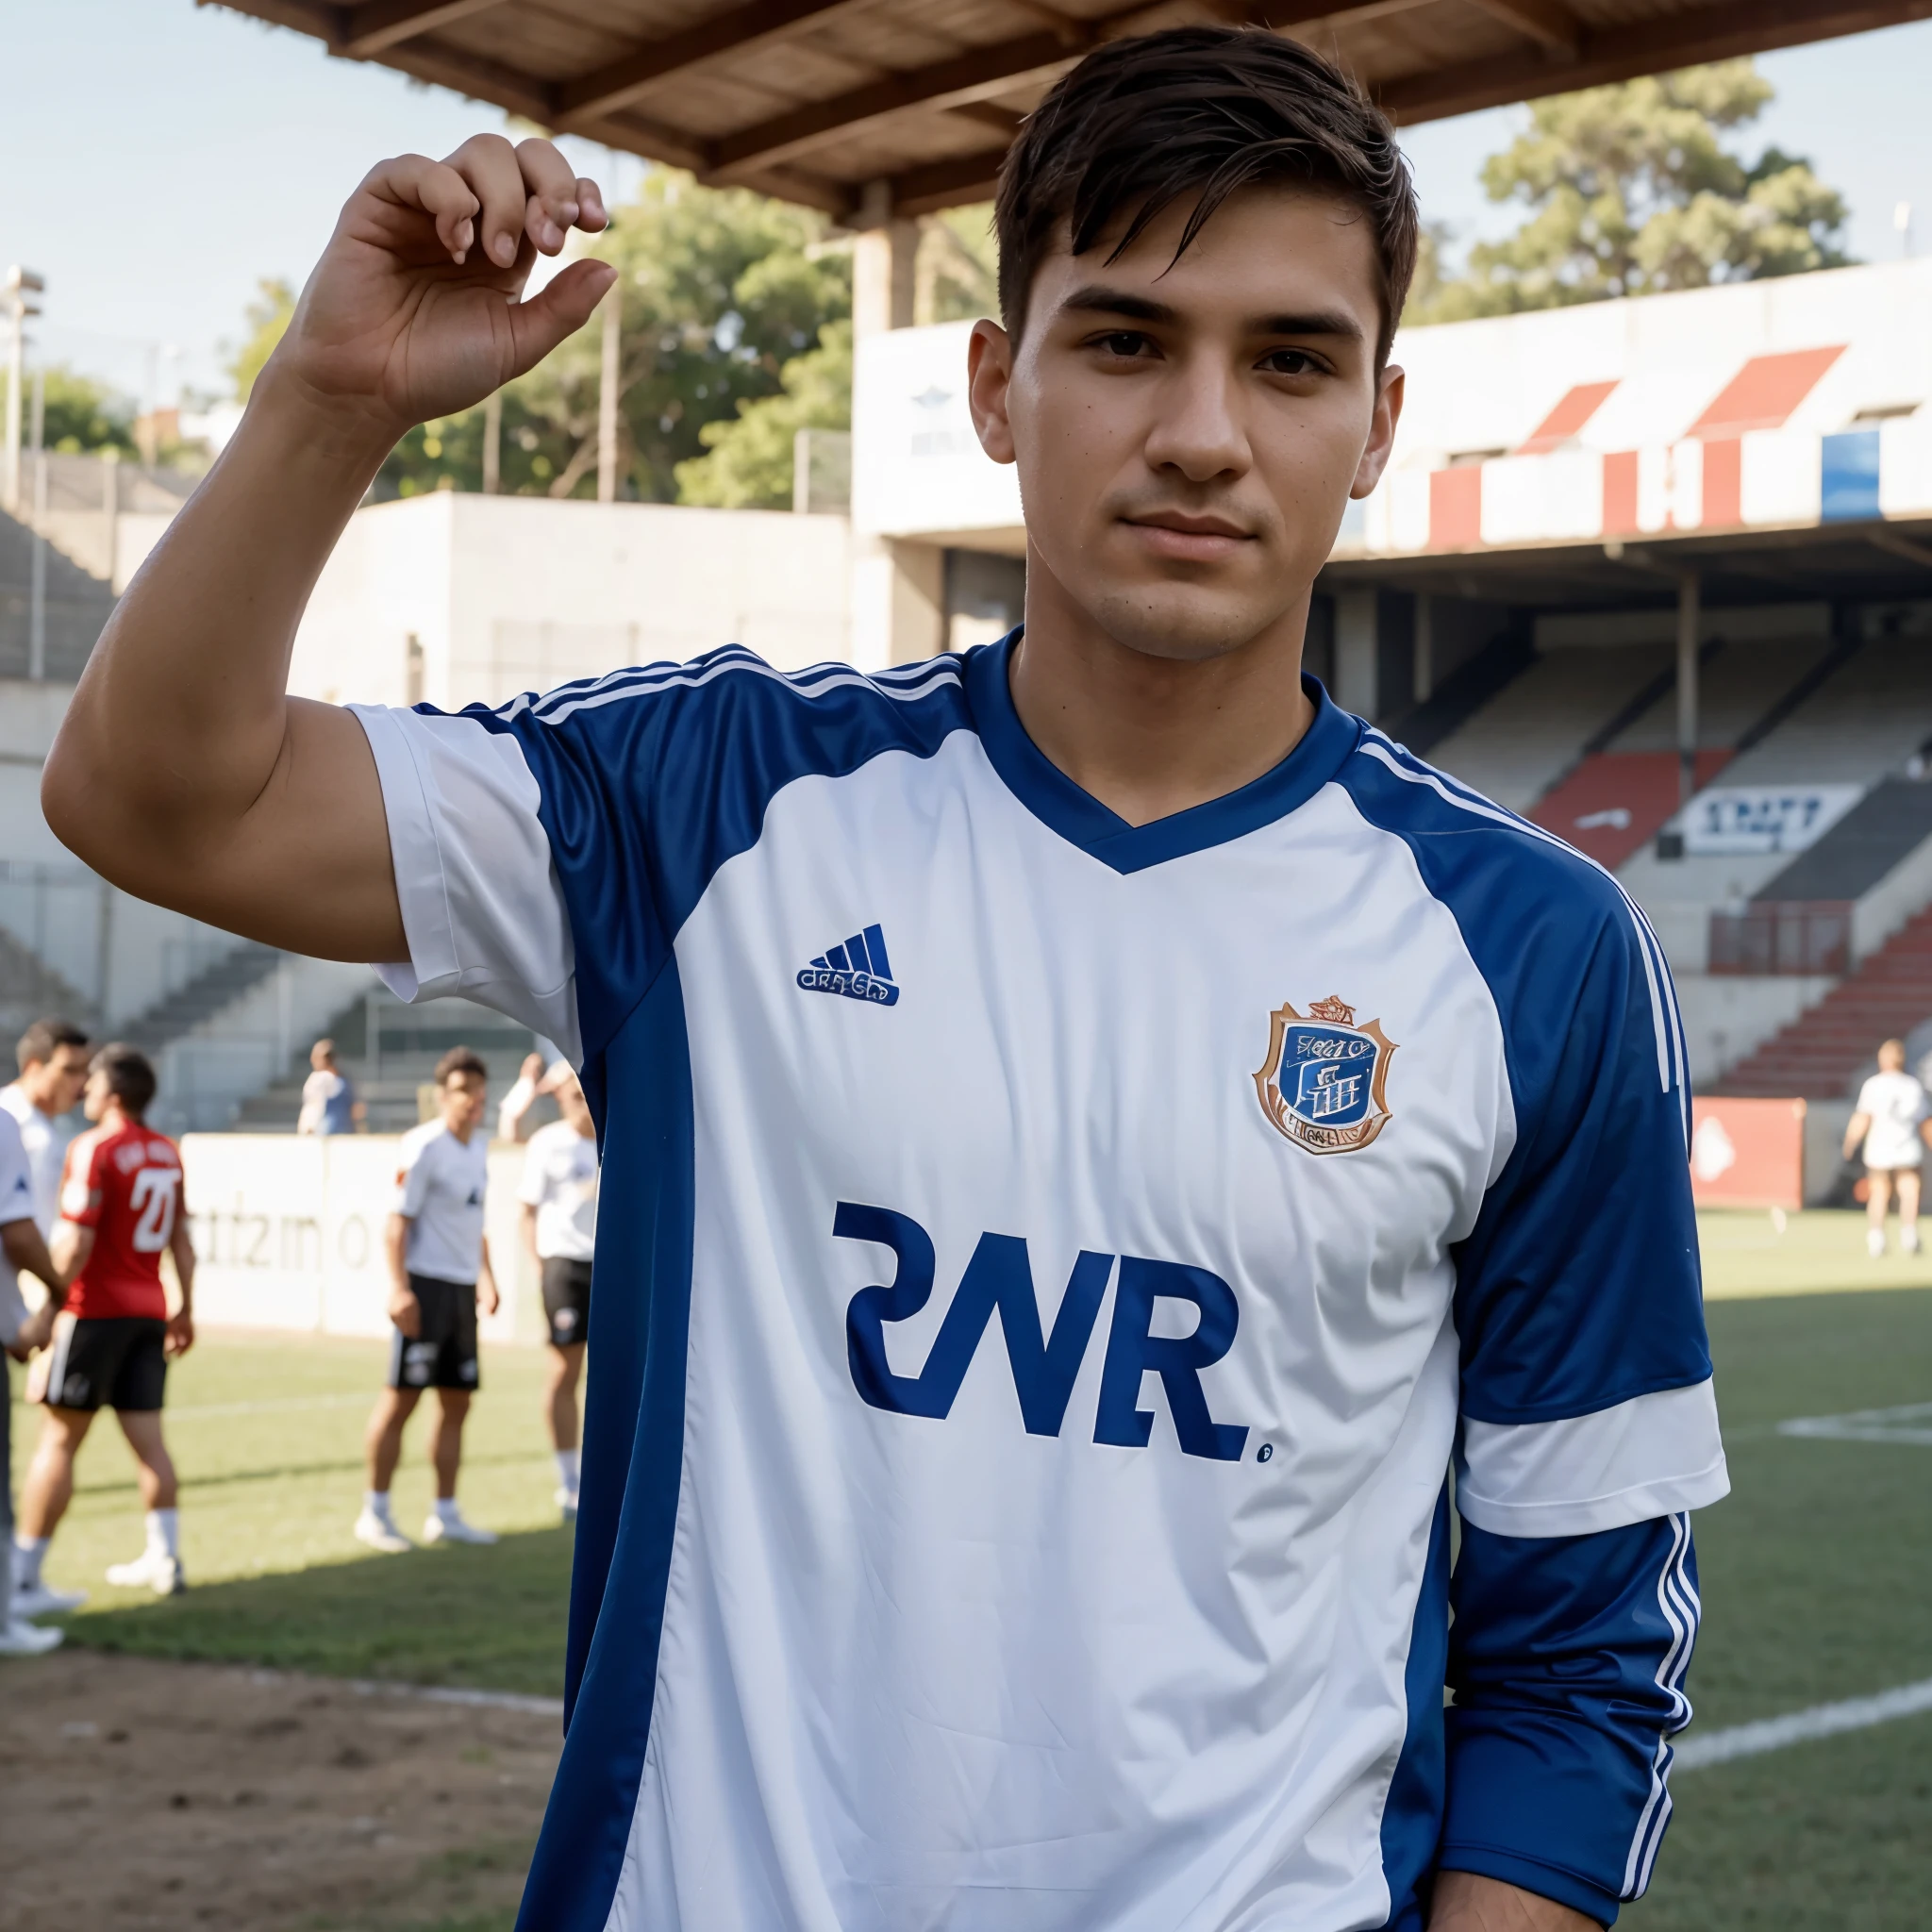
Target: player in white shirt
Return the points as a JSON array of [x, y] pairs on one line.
[[440, 1275], [329, 1104], [1889, 1128], [52, 1057], [23, 1247], [559, 1201], [1310, 1124]]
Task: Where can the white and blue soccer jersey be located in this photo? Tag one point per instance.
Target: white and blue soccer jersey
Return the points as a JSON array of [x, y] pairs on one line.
[[1047, 1271]]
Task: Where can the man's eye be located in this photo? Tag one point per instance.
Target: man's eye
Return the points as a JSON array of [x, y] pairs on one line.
[[1124, 342], [1291, 362]]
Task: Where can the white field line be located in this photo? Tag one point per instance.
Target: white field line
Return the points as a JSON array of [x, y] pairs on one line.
[[434, 1693], [1910, 1423], [1804, 1726]]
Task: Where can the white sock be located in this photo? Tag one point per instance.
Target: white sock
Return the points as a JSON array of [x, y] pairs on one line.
[[27, 1552], [164, 1532], [375, 1504], [569, 1465], [446, 1509]]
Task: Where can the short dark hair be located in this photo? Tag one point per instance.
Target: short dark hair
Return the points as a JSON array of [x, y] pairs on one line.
[[131, 1076], [460, 1060], [44, 1040], [1201, 111]]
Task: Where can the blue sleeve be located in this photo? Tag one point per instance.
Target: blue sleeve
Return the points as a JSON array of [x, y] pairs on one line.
[[1567, 1659]]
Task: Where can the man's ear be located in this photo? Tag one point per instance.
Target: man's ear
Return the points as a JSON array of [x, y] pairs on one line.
[[989, 376], [1381, 432]]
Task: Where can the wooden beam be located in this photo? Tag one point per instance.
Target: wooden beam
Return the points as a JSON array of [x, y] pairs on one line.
[[471, 73], [946, 184], [1549, 23], [653, 62], [1653, 47], [946, 84], [380, 24]]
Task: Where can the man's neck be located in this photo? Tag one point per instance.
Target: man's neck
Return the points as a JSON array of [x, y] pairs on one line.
[[1146, 736], [116, 1120]]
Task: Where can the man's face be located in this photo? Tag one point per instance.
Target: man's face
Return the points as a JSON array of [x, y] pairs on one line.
[[55, 1085], [98, 1094], [1187, 436], [575, 1109], [321, 1058], [462, 1101]]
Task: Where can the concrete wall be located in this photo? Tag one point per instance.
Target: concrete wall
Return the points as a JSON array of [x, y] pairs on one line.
[[459, 599], [1728, 1016]]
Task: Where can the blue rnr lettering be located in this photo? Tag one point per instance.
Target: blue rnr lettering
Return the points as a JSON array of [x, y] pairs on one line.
[[1000, 1275]]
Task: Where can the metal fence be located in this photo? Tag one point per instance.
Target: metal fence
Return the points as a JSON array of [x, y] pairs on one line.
[[1783, 936]]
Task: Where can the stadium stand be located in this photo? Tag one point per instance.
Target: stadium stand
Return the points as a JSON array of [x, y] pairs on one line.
[[77, 605]]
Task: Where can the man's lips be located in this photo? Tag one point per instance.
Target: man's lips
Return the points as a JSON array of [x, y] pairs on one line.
[[1189, 538]]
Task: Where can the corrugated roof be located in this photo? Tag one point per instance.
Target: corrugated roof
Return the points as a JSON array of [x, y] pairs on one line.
[[814, 100]]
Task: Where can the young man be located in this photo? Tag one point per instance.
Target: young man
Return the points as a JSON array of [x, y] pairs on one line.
[[1307, 1122], [329, 1096], [121, 1210], [1891, 1123], [558, 1202], [439, 1264], [52, 1057], [23, 1247]]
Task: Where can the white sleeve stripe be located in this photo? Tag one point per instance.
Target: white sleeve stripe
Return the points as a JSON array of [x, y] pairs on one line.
[[1632, 1462], [1682, 1612], [421, 888], [1668, 1047]]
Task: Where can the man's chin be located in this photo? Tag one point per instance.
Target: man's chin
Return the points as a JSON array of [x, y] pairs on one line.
[[1180, 622]]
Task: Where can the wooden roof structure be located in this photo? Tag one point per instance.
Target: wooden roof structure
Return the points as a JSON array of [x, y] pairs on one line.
[[865, 107]]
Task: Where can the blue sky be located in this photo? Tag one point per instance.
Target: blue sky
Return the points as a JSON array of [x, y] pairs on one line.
[[174, 155]]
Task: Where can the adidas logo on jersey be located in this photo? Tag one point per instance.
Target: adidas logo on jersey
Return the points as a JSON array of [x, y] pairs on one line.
[[857, 968]]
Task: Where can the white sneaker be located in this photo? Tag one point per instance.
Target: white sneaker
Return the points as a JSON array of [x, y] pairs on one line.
[[1874, 1242], [379, 1533], [453, 1529], [28, 1640], [1909, 1240], [566, 1500], [41, 1600], [152, 1570]]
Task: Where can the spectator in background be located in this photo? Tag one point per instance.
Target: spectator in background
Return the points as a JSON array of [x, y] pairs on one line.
[[516, 1115], [329, 1096], [558, 1198], [53, 1057], [1890, 1120]]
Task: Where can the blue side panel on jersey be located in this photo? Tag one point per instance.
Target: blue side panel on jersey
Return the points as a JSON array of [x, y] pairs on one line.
[[1412, 1816], [1579, 1286], [1566, 1657], [633, 1453], [649, 780], [1848, 477]]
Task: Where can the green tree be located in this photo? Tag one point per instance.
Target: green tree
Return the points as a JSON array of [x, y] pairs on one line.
[[1631, 190], [268, 318], [84, 416], [749, 464]]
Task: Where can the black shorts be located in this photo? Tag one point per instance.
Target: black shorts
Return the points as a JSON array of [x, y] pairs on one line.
[[567, 1301], [104, 1362], [444, 1353]]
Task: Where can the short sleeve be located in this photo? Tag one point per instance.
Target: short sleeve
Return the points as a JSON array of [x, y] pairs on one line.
[[482, 907], [412, 1180], [1867, 1102], [1587, 1395], [535, 1184], [16, 1176], [80, 1184]]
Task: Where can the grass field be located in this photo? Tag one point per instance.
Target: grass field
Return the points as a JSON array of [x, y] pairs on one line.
[[1817, 1572]]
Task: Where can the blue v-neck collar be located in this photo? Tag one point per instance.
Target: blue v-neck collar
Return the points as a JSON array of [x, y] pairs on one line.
[[1080, 818]]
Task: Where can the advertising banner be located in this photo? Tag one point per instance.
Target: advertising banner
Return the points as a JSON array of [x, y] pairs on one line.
[[1730, 818], [1747, 1153]]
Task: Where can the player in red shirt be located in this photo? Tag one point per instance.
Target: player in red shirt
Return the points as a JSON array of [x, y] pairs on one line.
[[121, 1208]]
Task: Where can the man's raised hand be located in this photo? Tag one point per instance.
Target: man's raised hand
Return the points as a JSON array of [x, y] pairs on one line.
[[413, 311]]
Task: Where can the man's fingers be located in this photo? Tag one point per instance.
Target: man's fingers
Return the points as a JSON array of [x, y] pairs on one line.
[[438, 191], [592, 215], [488, 164], [551, 185], [563, 307]]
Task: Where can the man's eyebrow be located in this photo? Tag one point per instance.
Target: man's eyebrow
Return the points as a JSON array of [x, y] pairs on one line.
[[1097, 298]]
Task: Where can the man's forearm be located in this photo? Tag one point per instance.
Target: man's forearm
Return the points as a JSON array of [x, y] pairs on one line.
[[1466, 1903]]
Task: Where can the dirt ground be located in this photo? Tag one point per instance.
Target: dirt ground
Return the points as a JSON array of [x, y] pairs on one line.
[[137, 1793]]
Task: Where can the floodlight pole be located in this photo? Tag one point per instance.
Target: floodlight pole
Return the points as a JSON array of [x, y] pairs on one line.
[[1690, 623], [607, 397], [37, 594], [22, 284]]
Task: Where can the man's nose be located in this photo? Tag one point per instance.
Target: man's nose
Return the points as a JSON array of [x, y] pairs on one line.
[[1199, 430]]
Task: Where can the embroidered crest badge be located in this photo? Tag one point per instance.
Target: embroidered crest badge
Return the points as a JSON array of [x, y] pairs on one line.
[[1324, 1082]]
